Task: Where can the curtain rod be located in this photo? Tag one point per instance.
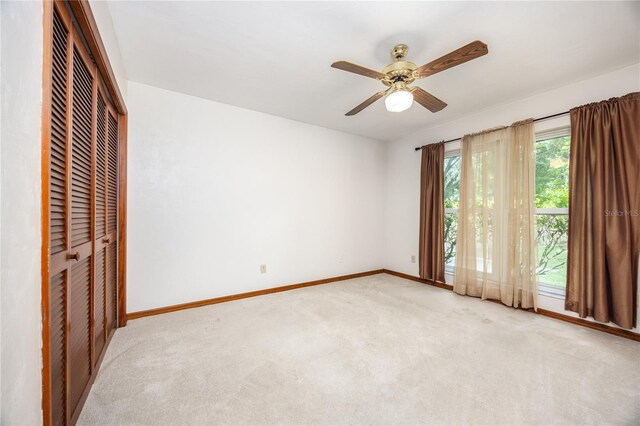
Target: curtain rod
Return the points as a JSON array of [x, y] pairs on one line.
[[418, 148]]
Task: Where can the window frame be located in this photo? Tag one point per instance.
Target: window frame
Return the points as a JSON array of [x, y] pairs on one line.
[[555, 127]]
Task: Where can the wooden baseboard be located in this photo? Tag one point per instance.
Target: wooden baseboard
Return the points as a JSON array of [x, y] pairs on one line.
[[418, 279], [589, 324], [551, 314], [197, 304]]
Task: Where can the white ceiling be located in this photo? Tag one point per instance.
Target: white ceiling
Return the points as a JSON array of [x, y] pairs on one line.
[[275, 57]]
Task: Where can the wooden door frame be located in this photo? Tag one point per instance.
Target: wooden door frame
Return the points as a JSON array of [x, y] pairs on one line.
[[86, 21]]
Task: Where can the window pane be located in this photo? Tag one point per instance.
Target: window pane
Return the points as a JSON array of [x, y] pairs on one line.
[[552, 192], [452, 182], [552, 172], [484, 168], [552, 249], [451, 201], [450, 230]]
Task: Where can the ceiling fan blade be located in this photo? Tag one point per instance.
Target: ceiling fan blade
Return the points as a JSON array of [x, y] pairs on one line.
[[366, 103], [466, 53], [357, 69], [427, 100]]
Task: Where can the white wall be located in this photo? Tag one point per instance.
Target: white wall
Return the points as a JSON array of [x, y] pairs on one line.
[[402, 214], [214, 191], [21, 108], [246, 188], [103, 19]]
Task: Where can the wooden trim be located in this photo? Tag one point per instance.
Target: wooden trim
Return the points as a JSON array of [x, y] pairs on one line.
[[200, 303], [122, 221], [578, 321], [417, 279], [627, 334], [82, 11], [47, 81]]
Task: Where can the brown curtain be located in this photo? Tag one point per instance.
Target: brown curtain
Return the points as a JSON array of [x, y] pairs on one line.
[[604, 204], [431, 256]]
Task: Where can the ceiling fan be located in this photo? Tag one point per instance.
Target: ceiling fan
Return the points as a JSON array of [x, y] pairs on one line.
[[398, 74]]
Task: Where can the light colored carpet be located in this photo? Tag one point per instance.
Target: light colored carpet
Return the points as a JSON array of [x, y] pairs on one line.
[[373, 350]]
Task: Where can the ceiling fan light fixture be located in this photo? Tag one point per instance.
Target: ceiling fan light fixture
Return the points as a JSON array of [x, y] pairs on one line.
[[399, 100]]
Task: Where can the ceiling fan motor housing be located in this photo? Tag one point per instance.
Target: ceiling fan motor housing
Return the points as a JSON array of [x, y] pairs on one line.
[[399, 70]]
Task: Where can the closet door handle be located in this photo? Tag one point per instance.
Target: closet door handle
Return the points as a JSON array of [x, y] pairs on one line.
[[75, 256], [106, 240]]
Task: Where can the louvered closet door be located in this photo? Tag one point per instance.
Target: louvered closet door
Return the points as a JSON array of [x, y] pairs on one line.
[[101, 237], [111, 295], [83, 119], [106, 202], [83, 220], [58, 208]]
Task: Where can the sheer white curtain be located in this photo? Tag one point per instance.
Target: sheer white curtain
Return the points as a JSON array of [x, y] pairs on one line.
[[496, 247]]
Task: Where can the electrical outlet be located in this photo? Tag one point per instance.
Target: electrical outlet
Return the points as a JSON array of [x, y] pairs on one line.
[[341, 259], [413, 259], [263, 269]]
